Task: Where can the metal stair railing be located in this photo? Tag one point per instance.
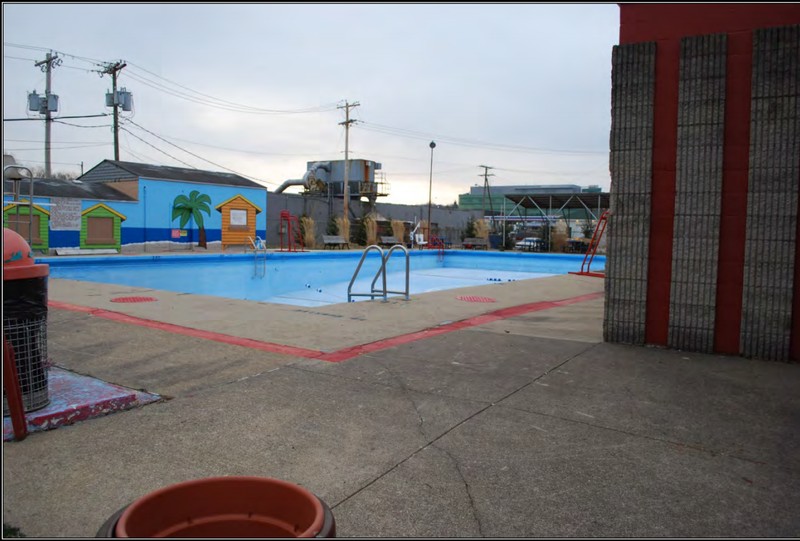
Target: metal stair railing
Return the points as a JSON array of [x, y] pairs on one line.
[[383, 291], [382, 270], [259, 255]]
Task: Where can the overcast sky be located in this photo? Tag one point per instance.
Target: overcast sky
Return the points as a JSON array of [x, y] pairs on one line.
[[524, 88]]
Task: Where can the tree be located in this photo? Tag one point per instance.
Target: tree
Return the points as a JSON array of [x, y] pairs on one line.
[[333, 227], [191, 207], [469, 232], [39, 172]]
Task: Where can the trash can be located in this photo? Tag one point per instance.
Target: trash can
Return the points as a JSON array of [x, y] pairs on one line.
[[224, 507], [25, 319]]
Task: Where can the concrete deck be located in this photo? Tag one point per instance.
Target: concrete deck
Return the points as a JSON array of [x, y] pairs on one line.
[[481, 419]]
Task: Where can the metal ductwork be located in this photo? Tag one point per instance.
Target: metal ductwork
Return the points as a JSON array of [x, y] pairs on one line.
[[315, 178]]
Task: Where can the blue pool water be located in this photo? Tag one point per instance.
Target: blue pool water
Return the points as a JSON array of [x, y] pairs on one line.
[[311, 278]]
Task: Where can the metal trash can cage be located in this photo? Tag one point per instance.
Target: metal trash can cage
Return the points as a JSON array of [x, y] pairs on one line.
[[28, 338], [25, 320]]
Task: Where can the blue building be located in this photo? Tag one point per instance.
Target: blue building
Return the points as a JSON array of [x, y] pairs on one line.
[[118, 204]]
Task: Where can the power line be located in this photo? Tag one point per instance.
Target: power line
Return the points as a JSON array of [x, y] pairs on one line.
[[79, 126], [59, 148], [236, 149], [57, 163], [204, 99], [59, 117], [193, 154], [222, 103], [158, 149], [413, 134], [45, 49], [217, 102], [19, 58], [57, 142]]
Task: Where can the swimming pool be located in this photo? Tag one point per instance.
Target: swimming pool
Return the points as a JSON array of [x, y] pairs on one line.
[[311, 278]]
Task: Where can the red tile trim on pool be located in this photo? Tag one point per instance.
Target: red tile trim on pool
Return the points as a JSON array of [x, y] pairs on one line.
[[333, 356]]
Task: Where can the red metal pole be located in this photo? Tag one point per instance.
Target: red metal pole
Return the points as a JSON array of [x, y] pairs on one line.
[[13, 392]]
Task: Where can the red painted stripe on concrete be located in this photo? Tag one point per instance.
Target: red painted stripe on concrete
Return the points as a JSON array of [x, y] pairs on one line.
[[736, 163], [504, 313], [195, 333], [662, 214], [71, 307], [342, 354]]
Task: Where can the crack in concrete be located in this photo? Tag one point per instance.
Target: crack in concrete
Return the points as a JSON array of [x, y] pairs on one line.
[[407, 394], [472, 506]]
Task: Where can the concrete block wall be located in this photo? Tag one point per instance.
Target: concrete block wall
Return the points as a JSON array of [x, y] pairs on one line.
[[698, 190], [450, 222], [632, 98], [703, 238], [769, 267]]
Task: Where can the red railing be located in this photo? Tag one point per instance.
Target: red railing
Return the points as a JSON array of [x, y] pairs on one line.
[[16, 408], [592, 249], [436, 242], [287, 231]]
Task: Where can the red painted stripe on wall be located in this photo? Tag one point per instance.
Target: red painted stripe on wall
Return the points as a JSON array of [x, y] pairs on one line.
[[736, 163], [665, 142]]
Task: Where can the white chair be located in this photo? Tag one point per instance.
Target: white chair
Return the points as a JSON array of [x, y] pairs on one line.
[[420, 240]]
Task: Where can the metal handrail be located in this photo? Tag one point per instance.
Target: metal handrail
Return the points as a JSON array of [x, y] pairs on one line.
[[17, 201], [259, 247], [382, 270]]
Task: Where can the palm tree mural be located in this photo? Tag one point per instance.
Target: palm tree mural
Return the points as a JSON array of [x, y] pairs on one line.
[[192, 207]]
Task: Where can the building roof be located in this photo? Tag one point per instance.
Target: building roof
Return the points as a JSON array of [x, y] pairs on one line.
[[112, 171], [51, 187]]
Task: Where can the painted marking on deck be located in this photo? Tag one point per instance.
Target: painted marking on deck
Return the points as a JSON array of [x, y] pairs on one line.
[[331, 356]]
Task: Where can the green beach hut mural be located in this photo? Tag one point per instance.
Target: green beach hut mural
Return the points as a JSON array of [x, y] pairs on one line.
[[100, 227], [16, 217], [191, 208]]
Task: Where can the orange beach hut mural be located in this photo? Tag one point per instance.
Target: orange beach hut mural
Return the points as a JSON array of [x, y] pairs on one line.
[[238, 221]]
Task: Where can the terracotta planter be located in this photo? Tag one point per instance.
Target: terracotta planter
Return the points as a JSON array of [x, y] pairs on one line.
[[224, 507]]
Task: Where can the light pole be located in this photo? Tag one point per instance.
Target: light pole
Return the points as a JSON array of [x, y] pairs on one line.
[[430, 192]]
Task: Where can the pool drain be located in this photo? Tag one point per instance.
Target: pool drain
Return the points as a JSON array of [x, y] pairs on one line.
[[475, 298], [134, 299]]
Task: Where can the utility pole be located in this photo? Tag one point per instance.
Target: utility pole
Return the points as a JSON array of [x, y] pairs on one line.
[[486, 190], [346, 124], [46, 66], [113, 69]]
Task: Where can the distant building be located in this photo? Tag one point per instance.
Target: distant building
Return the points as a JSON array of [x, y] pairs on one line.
[[538, 203]]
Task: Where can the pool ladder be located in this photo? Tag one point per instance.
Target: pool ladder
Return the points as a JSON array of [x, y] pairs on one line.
[[259, 258], [383, 291]]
